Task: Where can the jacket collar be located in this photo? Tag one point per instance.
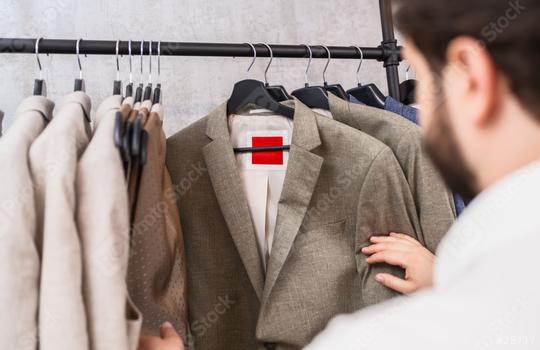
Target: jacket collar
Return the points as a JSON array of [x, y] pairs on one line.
[[40, 104], [305, 131]]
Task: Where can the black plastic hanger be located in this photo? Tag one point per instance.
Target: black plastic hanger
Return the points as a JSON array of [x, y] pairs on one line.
[[40, 88], [278, 92], [139, 90], [336, 89], [117, 84], [122, 140], [249, 91], [129, 86], [407, 89], [312, 96], [79, 82], [156, 98], [368, 94], [148, 90]]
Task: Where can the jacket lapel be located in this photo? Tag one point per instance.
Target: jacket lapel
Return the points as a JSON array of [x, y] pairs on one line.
[[221, 165], [302, 174]]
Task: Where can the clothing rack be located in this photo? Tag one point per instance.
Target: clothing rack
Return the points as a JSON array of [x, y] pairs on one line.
[[388, 52]]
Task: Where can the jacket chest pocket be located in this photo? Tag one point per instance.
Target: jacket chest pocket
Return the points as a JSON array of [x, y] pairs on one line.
[[327, 236]]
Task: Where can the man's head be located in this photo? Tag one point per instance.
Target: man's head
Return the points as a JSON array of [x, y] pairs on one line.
[[479, 84]]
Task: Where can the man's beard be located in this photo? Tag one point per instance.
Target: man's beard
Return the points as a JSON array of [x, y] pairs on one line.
[[440, 144]]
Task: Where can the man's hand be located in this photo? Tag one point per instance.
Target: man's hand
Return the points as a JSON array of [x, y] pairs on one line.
[[169, 340], [402, 250]]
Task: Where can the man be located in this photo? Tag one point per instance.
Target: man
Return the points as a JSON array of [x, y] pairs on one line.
[[479, 92]]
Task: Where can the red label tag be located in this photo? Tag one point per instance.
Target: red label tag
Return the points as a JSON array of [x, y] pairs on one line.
[[273, 157]]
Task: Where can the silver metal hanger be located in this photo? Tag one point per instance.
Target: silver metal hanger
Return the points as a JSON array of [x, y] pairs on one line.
[[278, 92], [327, 64], [117, 84], [308, 65], [359, 64], [40, 88], [79, 83]]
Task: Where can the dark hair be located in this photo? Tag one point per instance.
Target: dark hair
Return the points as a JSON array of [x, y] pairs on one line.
[[509, 30]]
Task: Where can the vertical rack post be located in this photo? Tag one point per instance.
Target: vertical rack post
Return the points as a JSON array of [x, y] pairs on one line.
[[390, 47]]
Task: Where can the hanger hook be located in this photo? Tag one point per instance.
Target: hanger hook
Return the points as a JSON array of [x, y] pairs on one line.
[[254, 55], [359, 64], [77, 47], [117, 60], [37, 57], [269, 63], [130, 65], [327, 63], [142, 52], [159, 61], [308, 65], [150, 66]]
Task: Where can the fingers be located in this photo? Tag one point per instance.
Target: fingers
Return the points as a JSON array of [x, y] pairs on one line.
[[146, 343], [404, 237], [168, 333], [380, 247], [392, 257], [395, 283]]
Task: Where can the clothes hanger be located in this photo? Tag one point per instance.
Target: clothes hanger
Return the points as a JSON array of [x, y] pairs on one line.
[[40, 88], [148, 89], [139, 137], [139, 91], [336, 89], [251, 91], [122, 138], [367, 94], [117, 84], [312, 96], [79, 82], [157, 91], [129, 86], [278, 92], [137, 147], [407, 89]]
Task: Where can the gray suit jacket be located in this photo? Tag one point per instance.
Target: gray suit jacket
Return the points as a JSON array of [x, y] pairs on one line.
[[19, 257], [433, 200], [341, 186], [53, 161]]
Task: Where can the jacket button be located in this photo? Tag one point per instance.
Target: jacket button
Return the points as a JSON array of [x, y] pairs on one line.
[[270, 346]]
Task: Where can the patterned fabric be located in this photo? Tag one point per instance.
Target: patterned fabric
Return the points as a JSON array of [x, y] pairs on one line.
[[411, 114]]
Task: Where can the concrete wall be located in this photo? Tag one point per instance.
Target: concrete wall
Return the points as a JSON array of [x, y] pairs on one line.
[[192, 86]]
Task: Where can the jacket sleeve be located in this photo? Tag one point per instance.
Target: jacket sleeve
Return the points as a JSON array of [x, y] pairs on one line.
[[385, 205], [434, 201]]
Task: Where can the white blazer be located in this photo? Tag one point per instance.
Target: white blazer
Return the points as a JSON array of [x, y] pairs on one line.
[[19, 258], [53, 163], [103, 222]]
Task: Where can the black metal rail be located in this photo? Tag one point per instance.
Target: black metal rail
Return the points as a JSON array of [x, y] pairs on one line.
[[388, 52]]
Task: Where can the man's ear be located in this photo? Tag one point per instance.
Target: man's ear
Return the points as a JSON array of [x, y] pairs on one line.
[[472, 74]]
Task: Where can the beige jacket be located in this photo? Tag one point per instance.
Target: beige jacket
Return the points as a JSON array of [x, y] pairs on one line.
[[434, 202], [53, 163], [341, 187], [103, 222], [19, 258]]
